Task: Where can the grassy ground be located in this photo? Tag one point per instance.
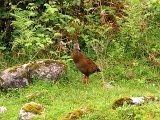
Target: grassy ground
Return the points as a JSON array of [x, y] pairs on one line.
[[70, 94]]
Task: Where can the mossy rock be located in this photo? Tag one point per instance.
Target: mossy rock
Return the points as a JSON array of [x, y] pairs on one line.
[[30, 110], [133, 101], [47, 69], [21, 75], [15, 77], [121, 101]]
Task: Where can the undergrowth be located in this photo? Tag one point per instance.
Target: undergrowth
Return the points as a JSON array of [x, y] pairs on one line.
[[70, 94]]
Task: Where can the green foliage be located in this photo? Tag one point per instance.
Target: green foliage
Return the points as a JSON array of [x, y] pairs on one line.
[[29, 37], [138, 35], [153, 32], [32, 34], [41, 24]]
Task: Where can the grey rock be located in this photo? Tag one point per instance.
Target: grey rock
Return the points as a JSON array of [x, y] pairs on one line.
[[48, 69], [26, 115], [20, 76], [2, 109], [15, 77]]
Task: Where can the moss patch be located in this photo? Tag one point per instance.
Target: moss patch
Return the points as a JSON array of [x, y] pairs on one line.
[[76, 114], [121, 101], [33, 107]]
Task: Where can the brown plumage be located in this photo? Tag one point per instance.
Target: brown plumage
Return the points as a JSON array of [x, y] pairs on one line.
[[83, 63]]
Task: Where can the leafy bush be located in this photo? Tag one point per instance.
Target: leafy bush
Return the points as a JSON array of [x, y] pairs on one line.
[[39, 26], [138, 35], [31, 35]]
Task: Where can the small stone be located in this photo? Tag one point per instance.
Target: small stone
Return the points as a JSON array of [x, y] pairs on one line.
[[33, 95], [137, 100], [26, 115], [107, 85], [3, 109]]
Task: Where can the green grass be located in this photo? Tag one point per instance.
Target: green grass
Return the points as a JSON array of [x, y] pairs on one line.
[[70, 94]]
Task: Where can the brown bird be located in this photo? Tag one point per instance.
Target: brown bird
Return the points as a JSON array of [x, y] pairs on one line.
[[83, 63]]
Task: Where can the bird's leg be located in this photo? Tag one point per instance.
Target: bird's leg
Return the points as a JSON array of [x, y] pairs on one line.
[[85, 79]]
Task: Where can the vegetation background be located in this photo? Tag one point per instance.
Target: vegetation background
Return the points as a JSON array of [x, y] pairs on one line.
[[122, 36]]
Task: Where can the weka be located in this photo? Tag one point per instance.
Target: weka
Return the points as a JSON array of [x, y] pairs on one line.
[[83, 63]]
